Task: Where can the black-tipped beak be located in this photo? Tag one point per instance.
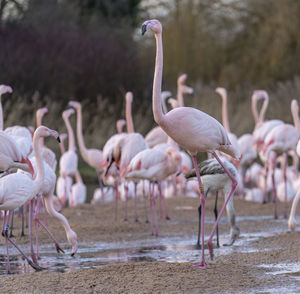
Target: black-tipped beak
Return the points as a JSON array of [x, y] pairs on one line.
[[144, 29], [58, 139], [110, 164]]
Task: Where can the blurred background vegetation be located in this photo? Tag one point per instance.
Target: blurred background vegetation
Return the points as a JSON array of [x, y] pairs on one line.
[[91, 50]]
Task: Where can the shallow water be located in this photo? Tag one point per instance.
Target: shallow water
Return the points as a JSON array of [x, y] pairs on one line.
[[163, 249]]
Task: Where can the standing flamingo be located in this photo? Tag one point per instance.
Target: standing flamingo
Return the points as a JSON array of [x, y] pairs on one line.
[[193, 129], [17, 188], [92, 157]]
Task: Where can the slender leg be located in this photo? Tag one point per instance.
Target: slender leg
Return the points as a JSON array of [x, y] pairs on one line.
[[162, 197], [12, 225], [266, 170], [36, 225], [117, 199], [216, 217], [126, 202], [23, 219], [233, 187], [155, 211], [33, 256], [274, 194], [151, 208], [145, 203], [135, 203], [285, 215], [160, 202], [198, 245], [202, 203], [5, 234]]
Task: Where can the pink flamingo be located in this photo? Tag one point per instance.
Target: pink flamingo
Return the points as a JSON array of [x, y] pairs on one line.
[[182, 89], [154, 165], [48, 155], [192, 129], [69, 160], [92, 157], [120, 124], [78, 192], [282, 139], [18, 188]]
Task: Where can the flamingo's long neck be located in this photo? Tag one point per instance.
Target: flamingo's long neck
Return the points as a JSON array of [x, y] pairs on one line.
[[254, 109], [263, 110], [1, 115], [180, 96], [39, 119], [129, 121], [62, 146], [70, 134], [81, 144], [296, 118], [225, 113], [39, 163], [157, 81], [61, 218]]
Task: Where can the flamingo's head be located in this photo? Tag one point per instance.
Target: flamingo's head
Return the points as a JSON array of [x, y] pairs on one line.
[[260, 94], [74, 104], [67, 113], [63, 137], [222, 91], [5, 89], [72, 238], [120, 124], [153, 25], [43, 131], [295, 106], [129, 97], [181, 79], [292, 223], [41, 111]]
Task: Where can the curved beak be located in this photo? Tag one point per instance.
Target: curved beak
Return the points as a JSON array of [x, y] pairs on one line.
[[74, 249], [144, 29]]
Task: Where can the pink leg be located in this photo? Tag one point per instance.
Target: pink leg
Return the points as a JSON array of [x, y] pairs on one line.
[[175, 185], [117, 200], [202, 264], [46, 215], [36, 225], [274, 194], [151, 208], [162, 197], [126, 202], [5, 234], [33, 256], [265, 181], [145, 202], [233, 186], [155, 211], [135, 204], [285, 215]]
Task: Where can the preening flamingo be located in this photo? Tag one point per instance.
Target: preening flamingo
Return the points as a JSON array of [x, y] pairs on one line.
[[214, 178], [182, 89], [193, 129], [78, 192]]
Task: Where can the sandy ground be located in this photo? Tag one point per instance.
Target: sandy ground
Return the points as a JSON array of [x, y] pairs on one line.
[[240, 271]]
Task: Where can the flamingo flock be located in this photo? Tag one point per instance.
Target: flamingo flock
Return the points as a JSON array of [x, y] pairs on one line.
[[131, 166]]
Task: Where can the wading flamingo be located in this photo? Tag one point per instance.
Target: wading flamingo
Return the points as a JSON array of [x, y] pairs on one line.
[[192, 129]]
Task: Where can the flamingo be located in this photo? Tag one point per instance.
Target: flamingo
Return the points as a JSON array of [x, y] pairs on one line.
[[17, 188], [214, 178], [78, 192], [292, 220], [282, 139], [48, 155], [182, 89], [192, 129], [154, 165], [120, 124], [92, 157], [69, 160]]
